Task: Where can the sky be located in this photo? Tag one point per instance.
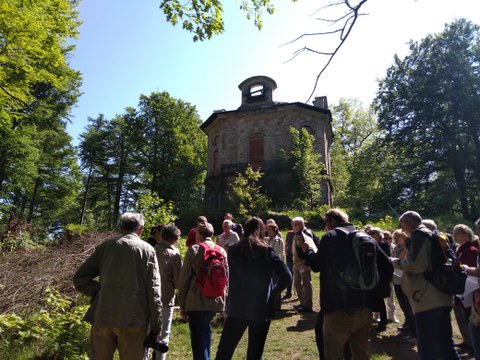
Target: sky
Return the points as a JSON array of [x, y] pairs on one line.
[[126, 49]]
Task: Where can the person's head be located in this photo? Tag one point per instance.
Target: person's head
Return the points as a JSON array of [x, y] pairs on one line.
[[410, 221], [253, 234], [201, 220], [272, 228], [387, 236], [377, 234], [399, 237], [334, 217], [171, 234], [429, 224], [477, 226], [203, 231], [156, 232], [228, 216], [131, 222], [298, 224], [227, 226], [367, 228], [462, 234]]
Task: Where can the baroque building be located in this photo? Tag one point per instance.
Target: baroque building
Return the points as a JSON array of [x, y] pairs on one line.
[[254, 134]]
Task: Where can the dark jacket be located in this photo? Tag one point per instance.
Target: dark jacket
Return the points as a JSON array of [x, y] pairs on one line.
[[329, 260], [251, 288]]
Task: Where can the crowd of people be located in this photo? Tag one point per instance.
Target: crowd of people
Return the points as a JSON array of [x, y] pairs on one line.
[[133, 284]]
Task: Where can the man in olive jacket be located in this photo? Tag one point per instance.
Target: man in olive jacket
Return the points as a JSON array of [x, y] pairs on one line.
[[127, 298]]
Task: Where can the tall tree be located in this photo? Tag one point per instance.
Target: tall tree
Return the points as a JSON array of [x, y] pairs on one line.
[[307, 169], [428, 104]]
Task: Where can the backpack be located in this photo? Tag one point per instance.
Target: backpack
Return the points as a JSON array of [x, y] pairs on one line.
[[446, 274], [212, 277], [361, 272]]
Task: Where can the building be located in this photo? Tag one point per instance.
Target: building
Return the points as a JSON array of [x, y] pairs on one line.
[[254, 134]]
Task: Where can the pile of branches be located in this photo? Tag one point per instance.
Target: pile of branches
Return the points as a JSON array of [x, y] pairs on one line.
[[26, 274]]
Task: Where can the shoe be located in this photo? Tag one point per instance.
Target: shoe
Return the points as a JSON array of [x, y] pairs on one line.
[[411, 340], [463, 346], [305, 310], [394, 320], [403, 328], [286, 296]]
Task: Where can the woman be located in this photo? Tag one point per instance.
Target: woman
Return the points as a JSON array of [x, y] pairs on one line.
[[251, 293]]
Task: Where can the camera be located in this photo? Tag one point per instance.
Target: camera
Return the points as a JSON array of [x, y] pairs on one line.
[[152, 343]]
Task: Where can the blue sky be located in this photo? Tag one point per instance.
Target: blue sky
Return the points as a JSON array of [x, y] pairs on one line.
[[126, 49]]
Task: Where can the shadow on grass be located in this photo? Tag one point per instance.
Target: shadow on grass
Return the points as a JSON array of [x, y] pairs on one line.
[[305, 323], [393, 346]]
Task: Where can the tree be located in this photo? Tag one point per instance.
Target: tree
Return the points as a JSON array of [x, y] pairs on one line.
[[428, 106], [307, 170], [247, 194]]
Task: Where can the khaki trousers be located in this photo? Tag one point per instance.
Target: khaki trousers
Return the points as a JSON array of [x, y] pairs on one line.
[[302, 279], [340, 326], [105, 339]]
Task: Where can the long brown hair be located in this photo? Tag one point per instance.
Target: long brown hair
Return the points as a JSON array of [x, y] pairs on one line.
[[253, 236]]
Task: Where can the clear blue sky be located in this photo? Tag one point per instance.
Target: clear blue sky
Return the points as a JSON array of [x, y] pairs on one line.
[[126, 49]]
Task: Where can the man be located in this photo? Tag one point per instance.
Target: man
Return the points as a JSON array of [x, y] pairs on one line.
[[198, 309], [126, 300], [302, 276], [430, 306], [345, 312]]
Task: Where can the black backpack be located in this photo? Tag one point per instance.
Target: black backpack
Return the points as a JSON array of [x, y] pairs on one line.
[[446, 274], [361, 272]]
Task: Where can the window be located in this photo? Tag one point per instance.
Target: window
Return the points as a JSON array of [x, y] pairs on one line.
[[257, 91], [255, 152]]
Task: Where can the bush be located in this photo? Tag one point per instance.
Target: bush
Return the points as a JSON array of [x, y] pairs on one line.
[[57, 332]]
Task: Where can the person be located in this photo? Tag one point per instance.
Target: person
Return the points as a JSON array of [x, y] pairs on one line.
[[387, 237], [126, 299], [196, 308], [289, 261], [400, 252], [302, 276], [170, 265], [379, 304], [431, 306], [235, 227], [191, 239], [276, 243], [346, 313], [228, 237], [467, 255], [154, 237], [250, 302]]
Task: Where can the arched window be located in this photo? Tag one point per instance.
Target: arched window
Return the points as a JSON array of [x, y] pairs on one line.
[[255, 151], [309, 129]]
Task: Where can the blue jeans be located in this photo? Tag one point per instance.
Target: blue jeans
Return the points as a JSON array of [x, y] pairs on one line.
[[200, 333], [475, 336], [233, 330], [434, 334]]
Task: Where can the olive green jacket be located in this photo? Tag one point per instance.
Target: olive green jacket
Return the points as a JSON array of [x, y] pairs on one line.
[[128, 292]]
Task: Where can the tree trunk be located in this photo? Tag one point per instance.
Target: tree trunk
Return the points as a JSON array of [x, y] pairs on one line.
[[85, 195], [458, 168], [33, 199]]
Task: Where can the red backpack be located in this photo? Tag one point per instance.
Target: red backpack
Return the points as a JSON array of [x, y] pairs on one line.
[[213, 275]]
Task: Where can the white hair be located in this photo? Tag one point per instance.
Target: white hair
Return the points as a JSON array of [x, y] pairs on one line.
[[131, 222]]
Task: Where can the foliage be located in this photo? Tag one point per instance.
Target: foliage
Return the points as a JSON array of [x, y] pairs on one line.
[[20, 235], [307, 170], [37, 90], [246, 193], [155, 210], [204, 18], [428, 105], [56, 332], [76, 229]]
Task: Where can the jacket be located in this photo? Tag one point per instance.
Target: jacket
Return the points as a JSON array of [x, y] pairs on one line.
[[170, 265], [330, 259], [422, 295], [128, 293], [252, 289], [189, 296]]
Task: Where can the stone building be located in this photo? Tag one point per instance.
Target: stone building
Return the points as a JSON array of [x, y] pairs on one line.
[[254, 134]]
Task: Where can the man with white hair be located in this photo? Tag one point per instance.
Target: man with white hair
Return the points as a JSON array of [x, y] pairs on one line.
[[126, 300], [431, 306]]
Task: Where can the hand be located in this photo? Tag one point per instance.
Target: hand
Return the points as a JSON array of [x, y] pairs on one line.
[[305, 247], [392, 259]]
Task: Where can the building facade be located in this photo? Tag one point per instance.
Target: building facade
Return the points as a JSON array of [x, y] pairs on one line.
[[254, 134]]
